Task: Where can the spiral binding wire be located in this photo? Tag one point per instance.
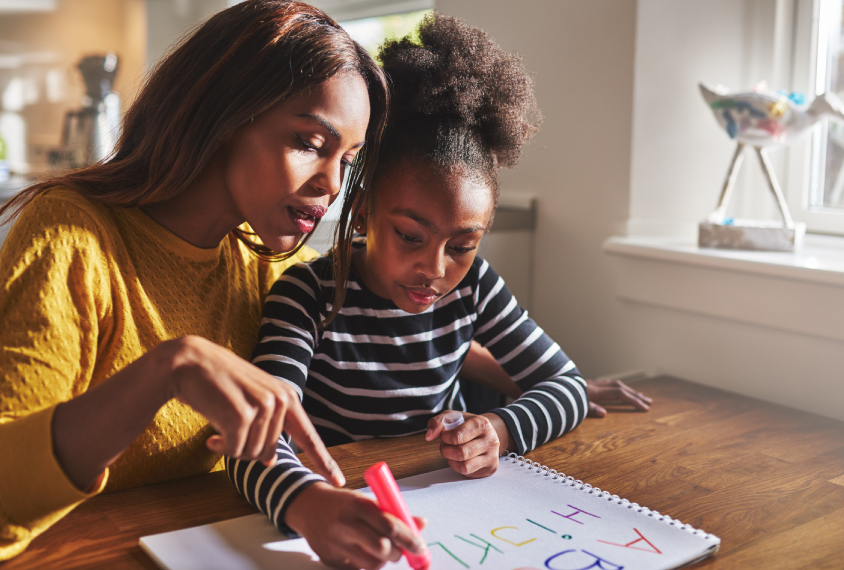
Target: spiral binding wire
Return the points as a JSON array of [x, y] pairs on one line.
[[581, 486]]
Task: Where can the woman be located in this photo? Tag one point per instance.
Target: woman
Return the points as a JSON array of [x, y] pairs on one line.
[[131, 291]]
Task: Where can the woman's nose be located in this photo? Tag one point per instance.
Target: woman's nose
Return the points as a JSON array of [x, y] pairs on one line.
[[331, 178]]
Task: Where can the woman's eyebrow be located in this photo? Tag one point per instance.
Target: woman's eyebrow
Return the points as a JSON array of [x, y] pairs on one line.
[[328, 126]]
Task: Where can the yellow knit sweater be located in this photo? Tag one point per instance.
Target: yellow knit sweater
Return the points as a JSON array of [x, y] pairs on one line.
[[86, 289]]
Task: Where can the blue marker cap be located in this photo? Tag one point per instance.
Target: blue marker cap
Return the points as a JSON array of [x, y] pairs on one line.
[[452, 419]]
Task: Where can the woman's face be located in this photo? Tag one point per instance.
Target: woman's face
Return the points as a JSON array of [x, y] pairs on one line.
[[284, 169], [422, 234]]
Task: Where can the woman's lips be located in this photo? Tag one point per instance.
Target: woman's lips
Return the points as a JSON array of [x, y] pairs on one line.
[[305, 217], [313, 211], [421, 296]]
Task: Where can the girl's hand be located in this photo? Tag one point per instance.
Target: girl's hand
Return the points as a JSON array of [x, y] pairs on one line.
[[246, 406], [347, 529], [472, 448], [613, 392]]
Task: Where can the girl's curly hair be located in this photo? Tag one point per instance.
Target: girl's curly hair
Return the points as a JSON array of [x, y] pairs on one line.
[[459, 101]]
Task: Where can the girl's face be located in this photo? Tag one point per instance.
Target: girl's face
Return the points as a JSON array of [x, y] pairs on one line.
[[284, 169], [422, 235]]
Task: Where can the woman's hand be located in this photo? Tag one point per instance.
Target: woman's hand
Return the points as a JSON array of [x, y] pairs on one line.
[[347, 529], [472, 448], [245, 405], [616, 393]]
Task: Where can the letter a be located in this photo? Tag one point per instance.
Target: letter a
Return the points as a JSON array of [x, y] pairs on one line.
[[652, 548]]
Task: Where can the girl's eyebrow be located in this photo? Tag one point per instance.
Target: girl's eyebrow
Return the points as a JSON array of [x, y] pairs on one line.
[[430, 225], [328, 126]]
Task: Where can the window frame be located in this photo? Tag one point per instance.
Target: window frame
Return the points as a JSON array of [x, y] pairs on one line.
[[347, 10], [803, 156]]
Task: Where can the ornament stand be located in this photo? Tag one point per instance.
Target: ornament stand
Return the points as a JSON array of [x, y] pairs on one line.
[[721, 232]]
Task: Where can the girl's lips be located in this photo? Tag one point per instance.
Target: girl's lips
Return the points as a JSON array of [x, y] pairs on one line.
[[421, 296]]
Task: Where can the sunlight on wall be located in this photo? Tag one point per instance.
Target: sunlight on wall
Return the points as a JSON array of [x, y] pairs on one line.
[[372, 32]]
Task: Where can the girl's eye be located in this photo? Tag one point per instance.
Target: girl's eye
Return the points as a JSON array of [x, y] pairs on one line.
[[407, 238], [459, 249]]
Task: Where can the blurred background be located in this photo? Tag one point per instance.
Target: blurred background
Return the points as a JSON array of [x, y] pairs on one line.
[[597, 230], [42, 43]]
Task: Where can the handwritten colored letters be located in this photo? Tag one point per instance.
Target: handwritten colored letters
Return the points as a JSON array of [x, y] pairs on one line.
[[473, 550]]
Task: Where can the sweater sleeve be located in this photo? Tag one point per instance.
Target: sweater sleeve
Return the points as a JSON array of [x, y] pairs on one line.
[[554, 398], [287, 339], [51, 275]]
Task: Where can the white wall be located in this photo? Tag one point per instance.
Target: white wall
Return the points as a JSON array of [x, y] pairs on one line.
[[169, 20], [628, 143], [678, 165], [680, 155], [578, 166]]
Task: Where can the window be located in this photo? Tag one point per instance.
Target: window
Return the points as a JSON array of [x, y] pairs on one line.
[[816, 165], [371, 32]]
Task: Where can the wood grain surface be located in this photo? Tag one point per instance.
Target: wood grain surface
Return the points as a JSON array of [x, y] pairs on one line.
[[768, 480]]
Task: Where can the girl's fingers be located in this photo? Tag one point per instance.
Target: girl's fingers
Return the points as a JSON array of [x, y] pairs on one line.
[[596, 411], [385, 525], [435, 426], [360, 558], [635, 399], [421, 522], [473, 428], [479, 466], [376, 545], [304, 434]]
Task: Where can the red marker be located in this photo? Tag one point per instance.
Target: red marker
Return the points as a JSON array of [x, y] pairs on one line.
[[382, 483]]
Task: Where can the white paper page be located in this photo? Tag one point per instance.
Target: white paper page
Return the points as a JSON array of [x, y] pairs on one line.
[[518, 519]]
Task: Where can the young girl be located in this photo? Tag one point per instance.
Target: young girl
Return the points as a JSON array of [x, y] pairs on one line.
[[386, 362]]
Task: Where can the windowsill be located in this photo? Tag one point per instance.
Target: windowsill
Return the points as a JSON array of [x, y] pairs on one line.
[[819, 260], [799, 293]]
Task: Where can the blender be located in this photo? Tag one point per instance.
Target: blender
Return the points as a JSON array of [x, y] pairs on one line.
[[89, 134]]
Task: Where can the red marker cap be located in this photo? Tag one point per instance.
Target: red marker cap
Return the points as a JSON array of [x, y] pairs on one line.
[[381, 481]]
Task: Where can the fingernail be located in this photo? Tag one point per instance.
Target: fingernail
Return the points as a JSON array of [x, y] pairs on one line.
[[429, 434]]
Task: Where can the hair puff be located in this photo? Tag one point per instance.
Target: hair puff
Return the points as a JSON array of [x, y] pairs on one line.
[[457, 75]]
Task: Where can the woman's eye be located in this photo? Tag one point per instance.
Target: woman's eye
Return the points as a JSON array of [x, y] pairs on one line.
[[306, 144], [407, 238]]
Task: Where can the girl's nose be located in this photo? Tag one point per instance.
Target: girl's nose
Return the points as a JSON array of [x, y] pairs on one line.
[[432, 264]]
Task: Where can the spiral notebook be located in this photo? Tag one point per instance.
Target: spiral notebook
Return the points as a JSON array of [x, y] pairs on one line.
[[525, 517]]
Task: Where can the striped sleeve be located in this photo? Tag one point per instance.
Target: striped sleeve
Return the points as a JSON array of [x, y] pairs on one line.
[[554, 398], [272, 489], [287, 339], [288, 333]]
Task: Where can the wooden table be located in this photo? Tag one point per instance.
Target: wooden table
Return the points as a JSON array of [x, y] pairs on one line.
[[768, 480]]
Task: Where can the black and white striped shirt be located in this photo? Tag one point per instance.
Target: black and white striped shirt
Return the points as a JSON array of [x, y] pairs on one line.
[[377, 371]]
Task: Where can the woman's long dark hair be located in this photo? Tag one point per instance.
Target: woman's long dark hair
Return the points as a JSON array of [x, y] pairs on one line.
[[239, 63]]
